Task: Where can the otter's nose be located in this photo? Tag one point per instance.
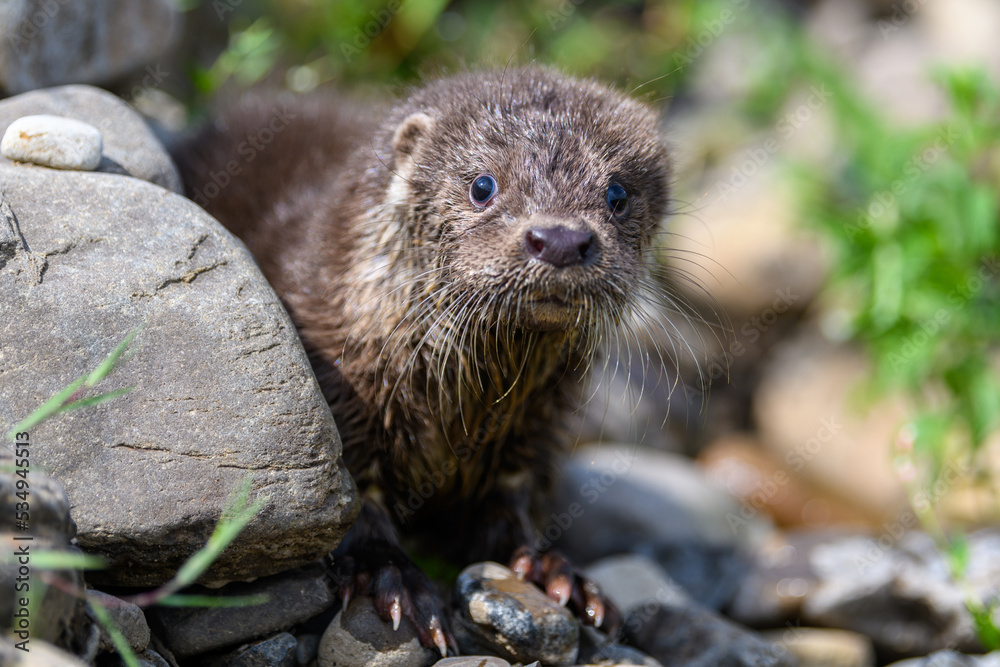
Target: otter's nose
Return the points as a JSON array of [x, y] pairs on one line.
[[559, 246]]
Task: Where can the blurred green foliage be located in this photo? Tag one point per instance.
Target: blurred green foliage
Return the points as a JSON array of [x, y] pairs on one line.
[[311, 42], [913, 215]]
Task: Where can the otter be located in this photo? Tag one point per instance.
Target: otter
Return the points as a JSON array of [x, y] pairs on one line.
[[455, 264]]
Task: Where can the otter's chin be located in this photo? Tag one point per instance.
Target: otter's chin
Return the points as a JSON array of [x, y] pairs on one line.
[[549, 314]]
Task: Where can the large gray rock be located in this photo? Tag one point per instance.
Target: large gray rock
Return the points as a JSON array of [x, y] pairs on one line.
[[222, 388], [50, 42], [130, 147]]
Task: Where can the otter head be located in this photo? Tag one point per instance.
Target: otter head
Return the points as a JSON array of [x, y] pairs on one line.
[[537, 193]]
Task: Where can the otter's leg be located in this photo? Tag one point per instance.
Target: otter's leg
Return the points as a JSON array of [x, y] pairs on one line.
[[370, 561]]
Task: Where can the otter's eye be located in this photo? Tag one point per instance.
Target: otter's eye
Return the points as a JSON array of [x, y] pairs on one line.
[[483, 190], [617, 199]]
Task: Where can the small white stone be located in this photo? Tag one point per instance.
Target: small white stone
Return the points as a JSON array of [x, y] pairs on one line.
[[53, 141]]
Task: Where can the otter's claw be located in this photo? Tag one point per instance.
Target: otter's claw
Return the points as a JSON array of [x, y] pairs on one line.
[[399, 589], [551, 572]]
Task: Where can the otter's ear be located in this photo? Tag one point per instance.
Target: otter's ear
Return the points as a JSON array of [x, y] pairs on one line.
[[409, 134]]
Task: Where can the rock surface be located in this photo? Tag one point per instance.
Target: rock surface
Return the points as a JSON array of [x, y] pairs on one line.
[[276, 651], [292, 597], [661, 620], [596, 649], [696, 637], [358, 637], [951, 659], [222, 388], [807, 420], [53, 141], [51, 42], [130, 147], [615, 498], [893, 587], [496, 613], [898, 590]]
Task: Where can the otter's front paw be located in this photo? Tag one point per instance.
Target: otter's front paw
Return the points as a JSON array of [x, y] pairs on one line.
[[562, 582], [398, 587]]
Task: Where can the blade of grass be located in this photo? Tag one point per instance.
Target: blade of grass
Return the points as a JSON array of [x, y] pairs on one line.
[[66, 560], [212, 601], [117, 638], [48, 408], [95, 400], [108, 365]]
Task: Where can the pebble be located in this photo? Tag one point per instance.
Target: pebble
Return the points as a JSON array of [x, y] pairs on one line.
[[595, 649], [127, 616], [472, 661], [307, 648], [41, 654], [358, 637], [276, 651], [951, 659], [53, 141], [497, 613], [821, 647]]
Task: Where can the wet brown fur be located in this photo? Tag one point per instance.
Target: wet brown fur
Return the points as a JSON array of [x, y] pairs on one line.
[[417, 309]]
